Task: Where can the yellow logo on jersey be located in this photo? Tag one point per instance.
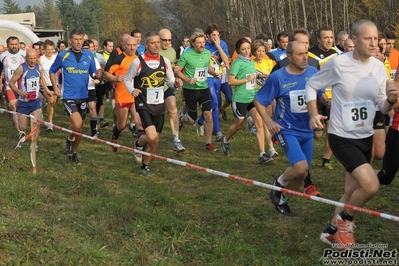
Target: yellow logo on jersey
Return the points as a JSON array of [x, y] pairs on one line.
[[153, 80]]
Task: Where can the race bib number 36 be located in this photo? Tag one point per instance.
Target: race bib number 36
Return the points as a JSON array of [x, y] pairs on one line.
[[200, 73], [155, 95], [357, 115], [298, 101]]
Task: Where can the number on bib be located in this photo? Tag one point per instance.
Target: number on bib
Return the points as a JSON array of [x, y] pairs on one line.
[[357, 115], [200, 73], [298, 101], [250, 85], [155, 95]]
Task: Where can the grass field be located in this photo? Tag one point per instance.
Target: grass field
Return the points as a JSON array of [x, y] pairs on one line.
[[103, 212]]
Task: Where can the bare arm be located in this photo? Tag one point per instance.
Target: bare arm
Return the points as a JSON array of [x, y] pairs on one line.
[[15, 77]]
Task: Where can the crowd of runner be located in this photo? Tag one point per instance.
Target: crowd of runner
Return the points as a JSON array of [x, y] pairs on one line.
[[286, 95]]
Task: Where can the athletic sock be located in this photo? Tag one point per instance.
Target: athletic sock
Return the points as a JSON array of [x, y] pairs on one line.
[[93, 125], [175, 136], [308, 180], [346, 216], [331, 229], [115, 132], [143, 166], [280, 180]]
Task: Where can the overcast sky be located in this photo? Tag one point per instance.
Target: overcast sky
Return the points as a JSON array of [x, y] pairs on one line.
[[24, 3]]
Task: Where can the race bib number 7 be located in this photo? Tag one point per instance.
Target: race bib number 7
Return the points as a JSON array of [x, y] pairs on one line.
[[155, 95], [357, 115]]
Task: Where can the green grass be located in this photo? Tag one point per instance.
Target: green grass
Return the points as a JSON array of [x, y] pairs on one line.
[[103, 212]]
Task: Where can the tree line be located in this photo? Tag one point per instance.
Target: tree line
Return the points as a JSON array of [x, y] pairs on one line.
[[110, 19]]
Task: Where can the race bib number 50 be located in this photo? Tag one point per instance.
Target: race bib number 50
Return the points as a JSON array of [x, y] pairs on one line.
[[357, 115]]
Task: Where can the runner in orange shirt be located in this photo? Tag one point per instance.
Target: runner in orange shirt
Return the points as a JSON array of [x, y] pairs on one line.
[[123, 99]]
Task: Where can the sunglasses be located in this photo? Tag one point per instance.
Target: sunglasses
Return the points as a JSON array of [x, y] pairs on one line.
[[166, 40]]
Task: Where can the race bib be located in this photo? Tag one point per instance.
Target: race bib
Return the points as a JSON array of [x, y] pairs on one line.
[[298, 101], [32, 84], [357, 115], [10, 72], [392, 73], [155, 95], [200, 73], [250, 85]]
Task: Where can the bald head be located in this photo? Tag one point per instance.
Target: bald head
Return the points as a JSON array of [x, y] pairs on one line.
[[131, 44], [349, 45], [31, 57], [166, 38]]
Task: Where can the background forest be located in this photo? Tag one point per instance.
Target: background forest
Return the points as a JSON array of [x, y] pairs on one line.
[[109, 19]]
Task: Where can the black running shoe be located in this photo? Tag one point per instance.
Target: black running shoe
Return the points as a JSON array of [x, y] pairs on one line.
[[284, 209], [73, 158]]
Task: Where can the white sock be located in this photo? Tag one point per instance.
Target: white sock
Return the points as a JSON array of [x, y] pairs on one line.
[[175, 136], [113, 103], [280, 180]]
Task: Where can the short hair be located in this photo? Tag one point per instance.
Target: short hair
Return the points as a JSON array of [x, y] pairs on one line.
[[256, 44], [341, 34], [36, 44], [11, 38], [105, 43], [324, 28], [357, 24], [282, 34], [381, 36], [196, 35], [134, 31], [76, 32], [62, 42], [240, 42], [389, 34], [298, 31], [211, 28], [22, 43], [48, 42], [262, 36], [148, 35], [289, 49], [90, 41]]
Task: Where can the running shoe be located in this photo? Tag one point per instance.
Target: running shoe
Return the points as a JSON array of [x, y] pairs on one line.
[[178, 146], [219, 136], [103, 123], [210, 147], [49, 128], [146, 171], [249, 126], [272, 153], [138, 156], [312, 191], [69, 146], [133, 130], [224, 115], [328, 238], [327, 166], [284, 209], [275, 195], [265, 158], [225, 147], [345, 230], [21, 134], [113, 148], [73, 158], [36, 148], [200, 129]]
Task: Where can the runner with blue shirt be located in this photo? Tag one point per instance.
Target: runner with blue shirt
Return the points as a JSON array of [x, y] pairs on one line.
[[77, 66], [291, 120]]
